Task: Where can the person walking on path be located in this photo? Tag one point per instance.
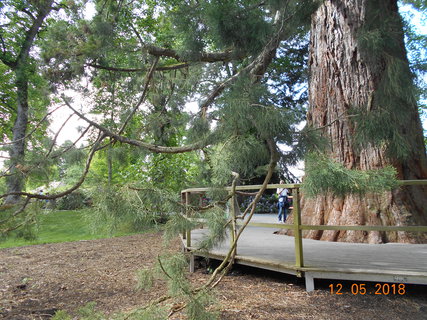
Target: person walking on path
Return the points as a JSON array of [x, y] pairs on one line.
[[282, 204]]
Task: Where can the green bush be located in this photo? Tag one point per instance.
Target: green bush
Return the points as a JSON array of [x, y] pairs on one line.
[[75, 200], [267, 204]]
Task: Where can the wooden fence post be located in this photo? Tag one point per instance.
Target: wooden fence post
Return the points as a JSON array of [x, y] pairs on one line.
[[233, 229], [183, 211], [187, 201], [299, 257]]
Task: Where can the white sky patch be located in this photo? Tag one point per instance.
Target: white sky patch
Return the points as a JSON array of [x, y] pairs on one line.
[[89, 11], [73, 128], [192, 107]]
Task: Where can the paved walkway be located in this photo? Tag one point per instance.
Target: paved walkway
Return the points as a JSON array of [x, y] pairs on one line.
[[392, 262]]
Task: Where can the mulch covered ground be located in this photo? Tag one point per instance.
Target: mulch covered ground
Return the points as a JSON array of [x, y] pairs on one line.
[[35, 281]]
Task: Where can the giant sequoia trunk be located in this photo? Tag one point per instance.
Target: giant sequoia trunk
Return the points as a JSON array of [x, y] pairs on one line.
[[344, 77]]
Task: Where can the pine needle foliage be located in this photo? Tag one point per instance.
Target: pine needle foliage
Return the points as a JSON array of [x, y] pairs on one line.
[[23, 225], [324, 175], [157, 312], [247, 121], [234, 24], [172, 269], [198, 306], [145, 278], [241, 154], [382, 121], [216, 222], [176, 225], [89, 312], [132, 208]]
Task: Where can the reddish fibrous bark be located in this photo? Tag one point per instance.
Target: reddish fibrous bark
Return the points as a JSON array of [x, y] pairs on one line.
[[342, 78]]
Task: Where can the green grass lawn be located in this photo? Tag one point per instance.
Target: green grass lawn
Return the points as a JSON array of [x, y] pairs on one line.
[[60, 226]]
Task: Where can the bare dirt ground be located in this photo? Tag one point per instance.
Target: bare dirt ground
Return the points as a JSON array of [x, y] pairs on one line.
[[35, 281]]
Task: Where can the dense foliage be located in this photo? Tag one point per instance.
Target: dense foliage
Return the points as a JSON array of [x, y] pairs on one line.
[[172, 94]]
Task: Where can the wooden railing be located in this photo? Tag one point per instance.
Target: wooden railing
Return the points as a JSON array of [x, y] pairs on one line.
[[297, 227]]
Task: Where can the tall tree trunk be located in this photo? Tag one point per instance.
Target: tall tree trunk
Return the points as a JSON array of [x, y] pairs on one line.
[[16, 180], [343, 76], [110, 165]]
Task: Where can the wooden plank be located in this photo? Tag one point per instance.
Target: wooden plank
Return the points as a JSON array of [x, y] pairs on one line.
[[288, 268], [399, 263]]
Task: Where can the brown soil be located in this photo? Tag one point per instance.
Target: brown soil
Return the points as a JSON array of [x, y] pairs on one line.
[[35, 281]]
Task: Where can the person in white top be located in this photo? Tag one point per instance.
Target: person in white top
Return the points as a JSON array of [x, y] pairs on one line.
[[282, 204]]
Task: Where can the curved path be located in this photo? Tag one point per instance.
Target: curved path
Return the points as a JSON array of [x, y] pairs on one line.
[[260, 247]]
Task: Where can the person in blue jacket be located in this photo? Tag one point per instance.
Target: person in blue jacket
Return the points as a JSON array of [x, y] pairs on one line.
[[283, 201]]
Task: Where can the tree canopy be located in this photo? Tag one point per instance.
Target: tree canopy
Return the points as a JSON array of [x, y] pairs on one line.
[[132, 69]]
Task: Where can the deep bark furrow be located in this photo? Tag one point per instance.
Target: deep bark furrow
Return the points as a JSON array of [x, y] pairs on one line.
[[343, 78]]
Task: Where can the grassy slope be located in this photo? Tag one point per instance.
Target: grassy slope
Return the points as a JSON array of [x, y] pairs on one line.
[[60, 226]]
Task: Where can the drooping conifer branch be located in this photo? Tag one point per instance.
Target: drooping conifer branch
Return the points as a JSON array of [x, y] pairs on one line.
[[255, 69], [228, 260], [57, 134], [73, 144], [143, 95], [77, 185], [14, 215], [151, 147], [226, 264], [37, 125], [204, 56], [176, 66], [210, 57]]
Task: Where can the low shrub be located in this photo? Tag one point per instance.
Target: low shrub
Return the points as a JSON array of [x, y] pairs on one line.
[[75, 200]]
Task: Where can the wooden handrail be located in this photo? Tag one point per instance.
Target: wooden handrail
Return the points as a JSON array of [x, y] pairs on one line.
[[249, 187], [293, 186], [297, 226]]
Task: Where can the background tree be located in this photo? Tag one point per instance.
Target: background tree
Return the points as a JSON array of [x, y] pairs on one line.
[[362, 101], [18, 37], [144, 61]]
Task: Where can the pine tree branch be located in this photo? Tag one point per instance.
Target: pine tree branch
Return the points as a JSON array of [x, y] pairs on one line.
[[68, 191], [17, 212], [137, 143], [159, 68], [73, 144], [56, 155], [226, 264], [57, 134], [29, 14], [256, 68], [204, 56], [19, 225], [44, 10], [143, 95], [34, 129]]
